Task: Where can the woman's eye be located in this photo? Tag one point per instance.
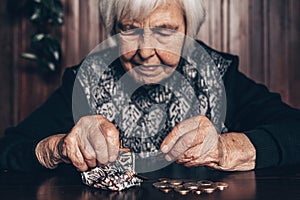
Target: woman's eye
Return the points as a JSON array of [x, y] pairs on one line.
[[163, 32], [129, 30]]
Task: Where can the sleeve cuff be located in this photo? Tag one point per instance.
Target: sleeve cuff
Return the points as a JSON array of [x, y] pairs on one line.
[[267, 152]]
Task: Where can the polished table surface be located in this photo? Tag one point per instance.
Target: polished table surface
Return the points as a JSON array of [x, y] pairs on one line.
[[271, 183]]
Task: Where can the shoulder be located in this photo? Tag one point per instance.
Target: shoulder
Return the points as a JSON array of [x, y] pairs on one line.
[[223, 61], [96, 63], [217, 55]]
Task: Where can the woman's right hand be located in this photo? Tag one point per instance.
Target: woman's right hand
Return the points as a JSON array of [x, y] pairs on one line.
[[93, 141]]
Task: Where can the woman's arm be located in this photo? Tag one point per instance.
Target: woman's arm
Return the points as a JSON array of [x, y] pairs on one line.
[[17, 147], [272, 126]]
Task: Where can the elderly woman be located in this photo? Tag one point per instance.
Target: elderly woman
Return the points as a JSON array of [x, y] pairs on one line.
[[150, 111]]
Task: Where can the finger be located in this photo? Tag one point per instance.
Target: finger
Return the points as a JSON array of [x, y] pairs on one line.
[[194, 163], [207, 164], [99, 145], [192, 153], [89, 155], [183, 144], [178, 131], [70, 153], [214, 166], [197, 162], [183, 160], [111, 135], [209, 160], [76, 158], [201, 147], [62, 150]]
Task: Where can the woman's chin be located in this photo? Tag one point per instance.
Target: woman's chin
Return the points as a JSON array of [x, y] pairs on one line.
[[144, 80]]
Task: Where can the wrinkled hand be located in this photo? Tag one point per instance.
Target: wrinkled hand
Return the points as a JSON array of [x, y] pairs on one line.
[[195, 142], [236, 153], [93, 141], [192, 140]]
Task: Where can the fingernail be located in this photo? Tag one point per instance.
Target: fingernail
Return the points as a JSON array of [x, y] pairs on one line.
[[164, 149], [168, 158]]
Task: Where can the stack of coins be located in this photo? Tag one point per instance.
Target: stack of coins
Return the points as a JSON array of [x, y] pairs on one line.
[[184, 187]]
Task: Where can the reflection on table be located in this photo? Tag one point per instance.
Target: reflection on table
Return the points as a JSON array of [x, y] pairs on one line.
[[277, 183]]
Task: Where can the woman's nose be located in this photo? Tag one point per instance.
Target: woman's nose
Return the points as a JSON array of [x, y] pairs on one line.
[[146, 45]]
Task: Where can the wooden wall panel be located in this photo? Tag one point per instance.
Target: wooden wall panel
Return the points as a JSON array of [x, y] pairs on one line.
[[6, 78], [89, 26], [256, 40], [71, 33], [31, 87], [264, 33], [238, 31], [212, 32], [82, 30], [278, 47], [294, 51]]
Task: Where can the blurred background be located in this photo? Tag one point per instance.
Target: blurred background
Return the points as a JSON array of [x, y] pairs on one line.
[[264, 33]]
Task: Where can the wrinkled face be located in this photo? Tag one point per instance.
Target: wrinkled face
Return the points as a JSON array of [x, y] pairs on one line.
[[151, 48]]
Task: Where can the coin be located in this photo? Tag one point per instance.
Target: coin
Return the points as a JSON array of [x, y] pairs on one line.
[[175, 182], [163, 180], [184, 186], [221, 185], [166, 190], [191, 185], [197, 191], [209, 189], [205, 183], [161, 185], [182, 191], [176, 186]]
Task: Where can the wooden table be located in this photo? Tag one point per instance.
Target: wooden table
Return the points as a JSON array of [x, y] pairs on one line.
[[65, 183]]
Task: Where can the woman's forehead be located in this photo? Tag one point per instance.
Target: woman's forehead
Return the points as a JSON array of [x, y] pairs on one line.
[[137, 10], [163, 14]]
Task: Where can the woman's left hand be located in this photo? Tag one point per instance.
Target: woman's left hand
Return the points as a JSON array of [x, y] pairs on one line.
[[195, 142], [192, 140]]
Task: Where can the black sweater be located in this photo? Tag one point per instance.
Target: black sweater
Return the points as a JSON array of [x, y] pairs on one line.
[[272, 126]]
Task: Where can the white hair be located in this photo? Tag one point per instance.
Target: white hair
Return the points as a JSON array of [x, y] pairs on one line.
[[112, 11]]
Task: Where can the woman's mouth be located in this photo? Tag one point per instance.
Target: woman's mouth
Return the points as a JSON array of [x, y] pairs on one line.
[[148, 70]]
